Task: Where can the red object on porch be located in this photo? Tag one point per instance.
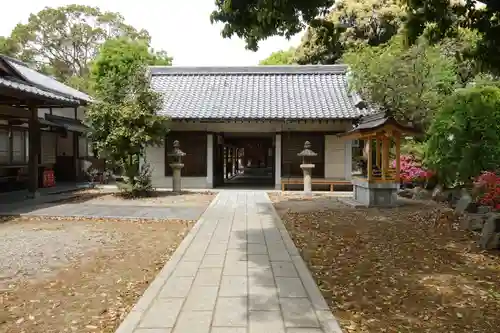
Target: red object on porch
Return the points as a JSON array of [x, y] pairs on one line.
[[48, 178]]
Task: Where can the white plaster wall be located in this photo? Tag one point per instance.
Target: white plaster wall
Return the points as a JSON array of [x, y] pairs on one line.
[[43, 112], [64, 112], [155, 156], [210, 161], [80, 113], [335, 157]]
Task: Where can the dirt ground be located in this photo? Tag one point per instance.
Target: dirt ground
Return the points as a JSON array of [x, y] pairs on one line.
[[392, 270], [159, 198], [60, 275]]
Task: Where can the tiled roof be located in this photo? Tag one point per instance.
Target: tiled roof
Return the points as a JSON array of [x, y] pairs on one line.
[[14, 84], [258, 92], [21, 77]]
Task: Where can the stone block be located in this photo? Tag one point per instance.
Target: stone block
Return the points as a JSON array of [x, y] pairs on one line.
[[162, 313], [201, 298], [284, 269], [231, 312], [266, 322], [233, 286], [298, 312], [193, 322], [290, 287], [490, 235]]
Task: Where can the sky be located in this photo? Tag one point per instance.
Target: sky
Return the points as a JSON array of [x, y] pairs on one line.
[[181, 27]]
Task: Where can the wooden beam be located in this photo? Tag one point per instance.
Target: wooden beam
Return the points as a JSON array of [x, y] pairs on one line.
[[34, 146], [385, 157], [397, 142], [370, 159], [378, 152]]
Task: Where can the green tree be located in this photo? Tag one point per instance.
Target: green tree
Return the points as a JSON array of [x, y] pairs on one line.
[[124, 119], [283, 57], [409, 82], [63, 41], [8, 47], [257, 20], [349, 24], [464, 139]]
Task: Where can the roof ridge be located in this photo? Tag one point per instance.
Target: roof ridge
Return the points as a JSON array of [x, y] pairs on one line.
[[248, 70]]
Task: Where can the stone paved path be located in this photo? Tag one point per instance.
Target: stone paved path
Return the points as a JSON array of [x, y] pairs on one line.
[[237, 271]]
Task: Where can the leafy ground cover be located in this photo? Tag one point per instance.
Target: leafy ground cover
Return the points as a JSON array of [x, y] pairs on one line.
[[393, 270]]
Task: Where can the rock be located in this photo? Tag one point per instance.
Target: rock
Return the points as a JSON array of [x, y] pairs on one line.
[[407, 193], [438, 194], [473, 222], [420, 193], [490, 235]]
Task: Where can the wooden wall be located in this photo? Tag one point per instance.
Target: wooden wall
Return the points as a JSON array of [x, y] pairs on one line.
[[194, 144], [292, 143]]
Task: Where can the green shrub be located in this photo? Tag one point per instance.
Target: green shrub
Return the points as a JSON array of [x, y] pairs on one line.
[[140, 186], [464, 138]]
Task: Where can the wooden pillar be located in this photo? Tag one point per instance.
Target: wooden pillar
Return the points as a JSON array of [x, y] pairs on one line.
[[378, 146], [76, 154], [397, 142], [34, 151], [369, 166], [385, 157]]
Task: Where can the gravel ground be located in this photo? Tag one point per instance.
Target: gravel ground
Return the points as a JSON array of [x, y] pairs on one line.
[[79, 275], [31, 250]]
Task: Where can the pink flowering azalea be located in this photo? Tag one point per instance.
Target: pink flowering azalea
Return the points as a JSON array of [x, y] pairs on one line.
[[411, 170]]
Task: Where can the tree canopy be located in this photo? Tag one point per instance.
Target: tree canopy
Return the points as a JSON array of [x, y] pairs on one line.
[[409, 82], [256, 20], [63, 41], [464, 139], [349, 24], [280, 58], [124, 117]]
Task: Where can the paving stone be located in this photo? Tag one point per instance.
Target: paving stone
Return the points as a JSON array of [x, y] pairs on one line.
[[263, 298], [193, 322], [233, 286], [208, 277], [284, 269], [236, 275], [176, 287], [213, 261], [228, 330], [201, 298], [265, 322], [216, 248], [261, 276], [257, 248], [290, 287], [235, 268], [298, 312], [186, 268], [231, 312], [258, 260], [162, 313]]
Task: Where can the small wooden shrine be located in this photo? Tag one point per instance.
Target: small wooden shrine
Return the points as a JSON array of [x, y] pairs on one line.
[[379, 182]]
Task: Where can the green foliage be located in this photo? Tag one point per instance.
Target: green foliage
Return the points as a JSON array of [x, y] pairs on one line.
[[124, 119], [413, 148], [63, 41], [279, 58], [141, 185], [8, 47], [349, 24], [464, 139], [447, 16], [256, 20], [409, 82]]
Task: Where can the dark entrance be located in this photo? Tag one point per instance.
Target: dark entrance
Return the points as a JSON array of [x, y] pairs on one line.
[[244, 160]]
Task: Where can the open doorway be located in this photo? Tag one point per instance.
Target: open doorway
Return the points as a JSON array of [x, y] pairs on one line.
[[244, 160]]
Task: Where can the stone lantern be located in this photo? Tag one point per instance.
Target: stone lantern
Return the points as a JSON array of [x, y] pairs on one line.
[[307, 166], [176, 166]]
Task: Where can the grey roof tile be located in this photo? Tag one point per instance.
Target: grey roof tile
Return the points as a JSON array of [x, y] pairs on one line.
[[33, 90], [258, 92]]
